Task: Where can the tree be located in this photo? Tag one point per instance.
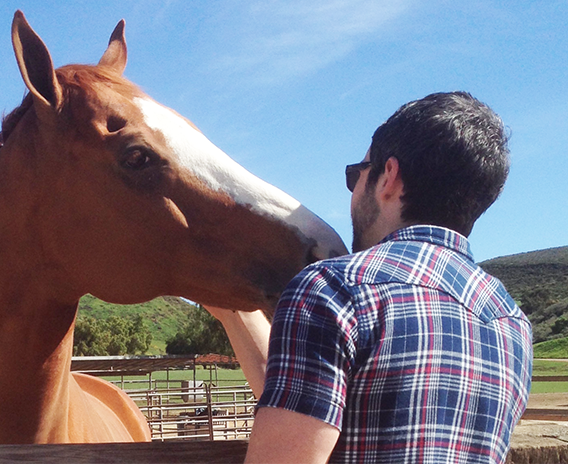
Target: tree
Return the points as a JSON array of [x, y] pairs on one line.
[[201, 334], [536, 299], [560, 325], [114, 336]]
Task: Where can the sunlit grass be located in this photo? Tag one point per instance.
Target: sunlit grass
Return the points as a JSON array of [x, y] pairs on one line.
[[227, 377], [546, 367], [542, 367], [549, 387], [220, 378]]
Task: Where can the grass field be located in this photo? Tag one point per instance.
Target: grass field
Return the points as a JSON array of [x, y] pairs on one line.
[[549, 387], [547, 367], [543, 367], [226, 377], [221, 378]]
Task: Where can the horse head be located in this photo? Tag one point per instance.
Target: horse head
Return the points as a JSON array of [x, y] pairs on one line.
[[124, 198]]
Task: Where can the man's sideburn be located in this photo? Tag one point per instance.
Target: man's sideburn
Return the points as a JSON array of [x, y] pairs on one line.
[[364, 215]]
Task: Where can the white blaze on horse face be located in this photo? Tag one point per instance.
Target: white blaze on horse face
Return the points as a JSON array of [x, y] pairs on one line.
[[220, 173], [210, 164]]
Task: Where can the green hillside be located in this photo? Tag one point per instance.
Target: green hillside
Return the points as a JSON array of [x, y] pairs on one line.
[[164, 316], [521, 273], [552, 349], [538, 281]]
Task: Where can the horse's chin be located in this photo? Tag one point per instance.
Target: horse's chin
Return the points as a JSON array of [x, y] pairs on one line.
[[265, 302], [271, 303]]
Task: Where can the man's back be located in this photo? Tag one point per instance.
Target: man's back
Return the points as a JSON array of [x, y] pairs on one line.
[[422, 357]]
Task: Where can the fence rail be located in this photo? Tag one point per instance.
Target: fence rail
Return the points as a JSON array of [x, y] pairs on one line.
[[547, 414], [182, 410], [197, 412], [213, 452], [199, 423], [550, 378]]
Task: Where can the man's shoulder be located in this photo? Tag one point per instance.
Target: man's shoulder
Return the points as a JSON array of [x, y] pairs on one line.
[[413, 262], [390, 260]]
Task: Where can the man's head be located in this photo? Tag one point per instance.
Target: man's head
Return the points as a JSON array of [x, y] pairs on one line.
[[452, 158]]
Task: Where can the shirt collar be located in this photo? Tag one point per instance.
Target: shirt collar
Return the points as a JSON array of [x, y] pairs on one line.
[[436, 235]]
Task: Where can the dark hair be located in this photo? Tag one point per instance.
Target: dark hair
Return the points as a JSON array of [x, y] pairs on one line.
[[453, 158], [10, 121]]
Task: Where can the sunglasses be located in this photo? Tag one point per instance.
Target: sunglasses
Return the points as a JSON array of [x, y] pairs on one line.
[[353, 172]]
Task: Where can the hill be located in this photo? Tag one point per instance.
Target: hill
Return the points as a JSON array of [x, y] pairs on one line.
[[525, 272], [164, 316], [538, 281], [552, 349]]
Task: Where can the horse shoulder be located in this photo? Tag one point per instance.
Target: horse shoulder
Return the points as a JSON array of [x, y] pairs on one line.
[[116, 409]]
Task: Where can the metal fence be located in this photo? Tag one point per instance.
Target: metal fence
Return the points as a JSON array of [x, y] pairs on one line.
[[188, 410], [197, 412]]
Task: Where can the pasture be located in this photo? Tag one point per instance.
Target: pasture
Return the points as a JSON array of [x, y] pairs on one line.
[[220, 377], [549, 368], [228, 377]]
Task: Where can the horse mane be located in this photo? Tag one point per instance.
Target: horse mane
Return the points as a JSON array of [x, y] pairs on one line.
[[11, 120], [75, 80]]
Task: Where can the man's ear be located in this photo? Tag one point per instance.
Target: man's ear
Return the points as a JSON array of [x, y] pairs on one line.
[[390, 185]]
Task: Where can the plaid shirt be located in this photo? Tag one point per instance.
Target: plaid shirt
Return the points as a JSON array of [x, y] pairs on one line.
[[409, 348]]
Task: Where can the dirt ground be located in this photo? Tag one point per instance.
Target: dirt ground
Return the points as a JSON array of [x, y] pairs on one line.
[[538, 433]]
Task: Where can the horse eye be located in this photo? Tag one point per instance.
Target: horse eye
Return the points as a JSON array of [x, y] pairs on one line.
[[136, 159]]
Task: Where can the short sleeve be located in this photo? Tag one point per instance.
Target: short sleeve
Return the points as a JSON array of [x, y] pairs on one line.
[[312, 346]]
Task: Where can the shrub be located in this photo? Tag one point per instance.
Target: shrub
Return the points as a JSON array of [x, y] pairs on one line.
[[115, 336]]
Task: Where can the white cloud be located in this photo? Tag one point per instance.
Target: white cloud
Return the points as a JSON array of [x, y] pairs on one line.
[[282, 39]]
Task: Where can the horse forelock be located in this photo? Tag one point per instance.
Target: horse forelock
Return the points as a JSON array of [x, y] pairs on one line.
[[84, 82], [87, 78]]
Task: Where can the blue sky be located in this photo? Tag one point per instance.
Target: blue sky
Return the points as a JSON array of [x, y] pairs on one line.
[[294, 89]]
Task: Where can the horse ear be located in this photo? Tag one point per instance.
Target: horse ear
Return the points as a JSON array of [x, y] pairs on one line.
[[116, 53], [35, 63]]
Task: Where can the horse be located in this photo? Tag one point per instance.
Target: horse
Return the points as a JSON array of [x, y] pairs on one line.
[[105, 191]]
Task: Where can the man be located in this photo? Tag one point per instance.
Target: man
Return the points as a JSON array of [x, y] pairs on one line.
[[405, 351]]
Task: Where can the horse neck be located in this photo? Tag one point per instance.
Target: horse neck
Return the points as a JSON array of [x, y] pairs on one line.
[[36, 345], [36, 322]]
